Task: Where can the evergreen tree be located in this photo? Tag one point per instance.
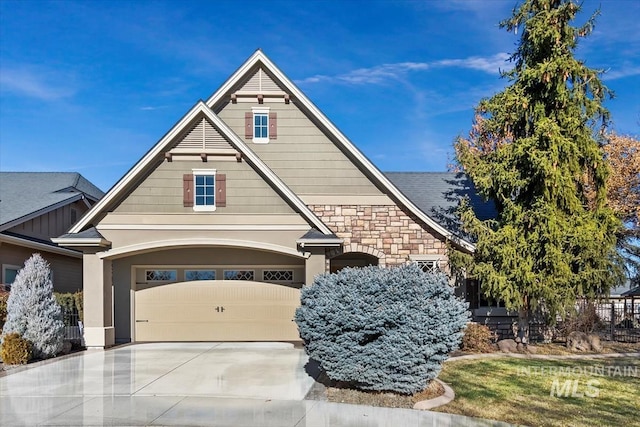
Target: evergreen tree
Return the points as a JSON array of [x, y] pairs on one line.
[[32, 311], [536, 151]]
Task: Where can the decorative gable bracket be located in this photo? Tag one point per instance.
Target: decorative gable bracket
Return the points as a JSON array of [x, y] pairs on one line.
[[249, 96], [203, 155]]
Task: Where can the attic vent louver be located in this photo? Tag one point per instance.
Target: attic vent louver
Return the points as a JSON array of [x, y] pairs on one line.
[[260, 87]]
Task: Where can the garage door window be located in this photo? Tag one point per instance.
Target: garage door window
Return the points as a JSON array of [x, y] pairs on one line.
[[190, 275], [277, 275], [161, 275], [239, 275]]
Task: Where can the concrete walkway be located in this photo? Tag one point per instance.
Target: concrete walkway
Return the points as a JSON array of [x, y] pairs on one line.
[[188, 384]]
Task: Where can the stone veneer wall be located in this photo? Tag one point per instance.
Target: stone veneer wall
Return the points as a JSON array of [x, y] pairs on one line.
[[384, 231]]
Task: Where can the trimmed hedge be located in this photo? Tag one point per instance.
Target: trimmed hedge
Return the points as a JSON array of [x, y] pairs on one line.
[[381, 329], [478, 338], [15, 350]]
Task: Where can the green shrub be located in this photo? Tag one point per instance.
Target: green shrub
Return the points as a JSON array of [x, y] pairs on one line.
[[477, 338], [15, 350], [78, 298], [381, 329], [70, 303]]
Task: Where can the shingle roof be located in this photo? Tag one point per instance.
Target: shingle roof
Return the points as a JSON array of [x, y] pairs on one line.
[[314, 234], [91, 233], [437, 194], [633, 292], [23, 193]]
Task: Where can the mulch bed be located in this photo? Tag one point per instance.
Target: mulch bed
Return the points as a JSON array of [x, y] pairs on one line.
[[384, 399]]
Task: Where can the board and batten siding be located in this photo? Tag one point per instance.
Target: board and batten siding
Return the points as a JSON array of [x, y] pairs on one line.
[[302, 156], [162, 190], [50, 224]]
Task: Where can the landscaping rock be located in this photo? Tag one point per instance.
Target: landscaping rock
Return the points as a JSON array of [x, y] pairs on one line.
[[521, 347], [508, 346], [532, 349], [578, 341]]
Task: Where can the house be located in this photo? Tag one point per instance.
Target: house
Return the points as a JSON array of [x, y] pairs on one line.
[[252, 193], [34, 207]]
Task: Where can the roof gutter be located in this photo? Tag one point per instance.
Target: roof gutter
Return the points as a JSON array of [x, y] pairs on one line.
[[39, 246]]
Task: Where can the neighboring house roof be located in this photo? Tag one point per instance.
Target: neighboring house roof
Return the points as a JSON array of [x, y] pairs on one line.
[[633, 292], [25, 195], [438, 194]]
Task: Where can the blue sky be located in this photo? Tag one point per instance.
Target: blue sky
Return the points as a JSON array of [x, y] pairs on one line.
[[90, 86]]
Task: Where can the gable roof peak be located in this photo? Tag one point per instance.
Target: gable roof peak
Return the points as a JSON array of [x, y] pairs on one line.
[[200, 108]]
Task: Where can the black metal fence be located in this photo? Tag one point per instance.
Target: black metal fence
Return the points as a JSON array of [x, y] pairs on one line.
[[613, 319], [619, 319], [72, 325]]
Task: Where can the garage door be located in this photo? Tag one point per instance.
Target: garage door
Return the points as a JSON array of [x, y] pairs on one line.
[[216, 310]]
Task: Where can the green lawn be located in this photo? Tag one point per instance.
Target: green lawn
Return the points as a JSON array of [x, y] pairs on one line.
[[594, 392]]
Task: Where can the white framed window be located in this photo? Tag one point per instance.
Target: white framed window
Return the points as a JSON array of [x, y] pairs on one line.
[[190, 275], [161, 275], [429, 263], [239, 275], [204, 189], [260, 125], [9, 273]]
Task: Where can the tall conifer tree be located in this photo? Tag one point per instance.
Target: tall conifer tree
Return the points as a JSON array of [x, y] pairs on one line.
[[536, 151], [32, 311]]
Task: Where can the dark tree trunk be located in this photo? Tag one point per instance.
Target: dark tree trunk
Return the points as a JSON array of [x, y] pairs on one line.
[[523, 323]]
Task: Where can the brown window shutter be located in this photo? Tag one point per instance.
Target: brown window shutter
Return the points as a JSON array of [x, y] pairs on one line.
[[273, 125], [187, 190], [248, 125], [221, 190]]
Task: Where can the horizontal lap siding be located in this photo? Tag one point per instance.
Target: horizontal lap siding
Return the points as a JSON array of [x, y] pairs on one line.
[[67, 271], [302, 156], [161, 191]]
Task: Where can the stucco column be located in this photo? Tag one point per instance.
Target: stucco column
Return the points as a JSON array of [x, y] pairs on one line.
[[314, 265], [98, 301]]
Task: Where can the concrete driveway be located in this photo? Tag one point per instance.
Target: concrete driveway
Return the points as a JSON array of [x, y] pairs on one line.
[[199, 384]]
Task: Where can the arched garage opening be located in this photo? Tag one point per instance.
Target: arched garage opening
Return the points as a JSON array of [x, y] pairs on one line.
[[351, 259]]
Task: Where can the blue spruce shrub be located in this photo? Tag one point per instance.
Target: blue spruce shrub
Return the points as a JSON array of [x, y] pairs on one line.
[[381, 329], [32, 311]]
